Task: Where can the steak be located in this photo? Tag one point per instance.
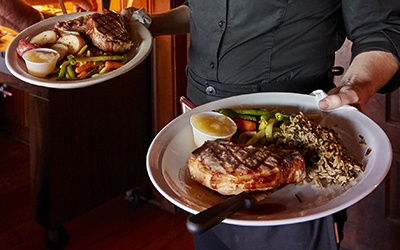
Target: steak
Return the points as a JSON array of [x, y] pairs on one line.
[[77, 24], [107, 32], [231, 168]]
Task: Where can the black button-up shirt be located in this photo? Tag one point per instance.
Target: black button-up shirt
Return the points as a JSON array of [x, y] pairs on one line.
[[239, 42]]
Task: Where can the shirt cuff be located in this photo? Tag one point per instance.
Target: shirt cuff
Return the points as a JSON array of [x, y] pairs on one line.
[[387, 41]]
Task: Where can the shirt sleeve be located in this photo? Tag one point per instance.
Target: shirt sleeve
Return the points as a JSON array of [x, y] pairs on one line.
[[374, 25]]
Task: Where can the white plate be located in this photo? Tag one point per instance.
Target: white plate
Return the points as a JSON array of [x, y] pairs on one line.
[[170, 149], [139, 34]]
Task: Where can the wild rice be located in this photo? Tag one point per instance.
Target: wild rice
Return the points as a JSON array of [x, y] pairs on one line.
[[327, 160]]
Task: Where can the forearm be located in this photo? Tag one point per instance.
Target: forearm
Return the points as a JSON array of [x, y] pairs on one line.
[[173, 22], [12, 19], [370, 71]]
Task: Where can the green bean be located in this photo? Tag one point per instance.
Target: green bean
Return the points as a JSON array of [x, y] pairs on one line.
[[63, 70], [100, 58], [71, 59], [279, 116], [70, 72], [103, 70], [91, 73], [282, 118], [54, 72], [269, 129], [64, 64], [80, 52], [256, 112], [260, 134], [233, 114], [263, 123]]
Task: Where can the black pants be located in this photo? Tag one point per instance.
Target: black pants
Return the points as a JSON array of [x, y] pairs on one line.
[[312, 235]]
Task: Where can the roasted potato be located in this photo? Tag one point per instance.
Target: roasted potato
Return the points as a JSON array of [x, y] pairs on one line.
[[73, 42], [62, 49], [44, 38], [24, 46]]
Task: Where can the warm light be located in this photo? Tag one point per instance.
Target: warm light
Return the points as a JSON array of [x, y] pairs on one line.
[[54, 9]]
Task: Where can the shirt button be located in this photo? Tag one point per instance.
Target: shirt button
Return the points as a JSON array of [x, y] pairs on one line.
[[210, 90], [221, 23], [212, 65]]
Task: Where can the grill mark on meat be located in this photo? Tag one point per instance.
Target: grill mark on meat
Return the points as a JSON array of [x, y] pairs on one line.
[[107, 32], [231, 168], [77, 24], [107, 25]]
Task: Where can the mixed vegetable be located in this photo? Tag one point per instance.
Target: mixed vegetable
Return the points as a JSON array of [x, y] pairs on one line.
[[257, 125], [88, 63], [78, 59]]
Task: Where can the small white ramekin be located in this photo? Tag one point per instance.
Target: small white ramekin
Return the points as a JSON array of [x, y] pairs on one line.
[[200, 137], [40, 69]]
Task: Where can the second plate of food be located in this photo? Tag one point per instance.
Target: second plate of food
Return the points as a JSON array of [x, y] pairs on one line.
[[140, 35]]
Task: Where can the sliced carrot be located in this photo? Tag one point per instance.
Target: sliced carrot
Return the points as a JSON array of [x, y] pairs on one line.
[[82, 74], [86, 66], [113, 64], [245, 125]]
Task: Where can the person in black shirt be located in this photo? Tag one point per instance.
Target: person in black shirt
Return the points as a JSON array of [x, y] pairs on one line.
[[239, 47]]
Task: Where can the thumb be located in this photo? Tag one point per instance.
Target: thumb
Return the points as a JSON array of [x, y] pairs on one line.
[[343, 97], [127, 13]]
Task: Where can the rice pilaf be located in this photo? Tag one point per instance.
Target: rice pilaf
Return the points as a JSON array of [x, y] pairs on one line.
[[327, 160]]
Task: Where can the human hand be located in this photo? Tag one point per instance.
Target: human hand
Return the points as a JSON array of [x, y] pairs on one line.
[[127, 13], [346, 94], [88, 5], [368, 72]]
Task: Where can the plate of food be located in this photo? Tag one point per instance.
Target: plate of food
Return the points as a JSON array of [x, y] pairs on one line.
[[92, 47], [345, 154]]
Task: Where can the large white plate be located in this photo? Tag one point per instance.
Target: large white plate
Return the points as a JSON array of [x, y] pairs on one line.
[[170, 149], [139, 34]]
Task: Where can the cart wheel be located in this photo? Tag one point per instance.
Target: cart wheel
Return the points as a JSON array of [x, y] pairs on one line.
[[133, 197], [56, 238]]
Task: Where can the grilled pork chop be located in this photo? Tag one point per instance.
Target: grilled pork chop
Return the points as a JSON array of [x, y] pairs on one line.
[[107, 32], [230, 168], [77, 24]]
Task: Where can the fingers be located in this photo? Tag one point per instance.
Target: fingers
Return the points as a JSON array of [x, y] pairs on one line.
[[95, 5], [127, 13], [88, 5], [338, 97]]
